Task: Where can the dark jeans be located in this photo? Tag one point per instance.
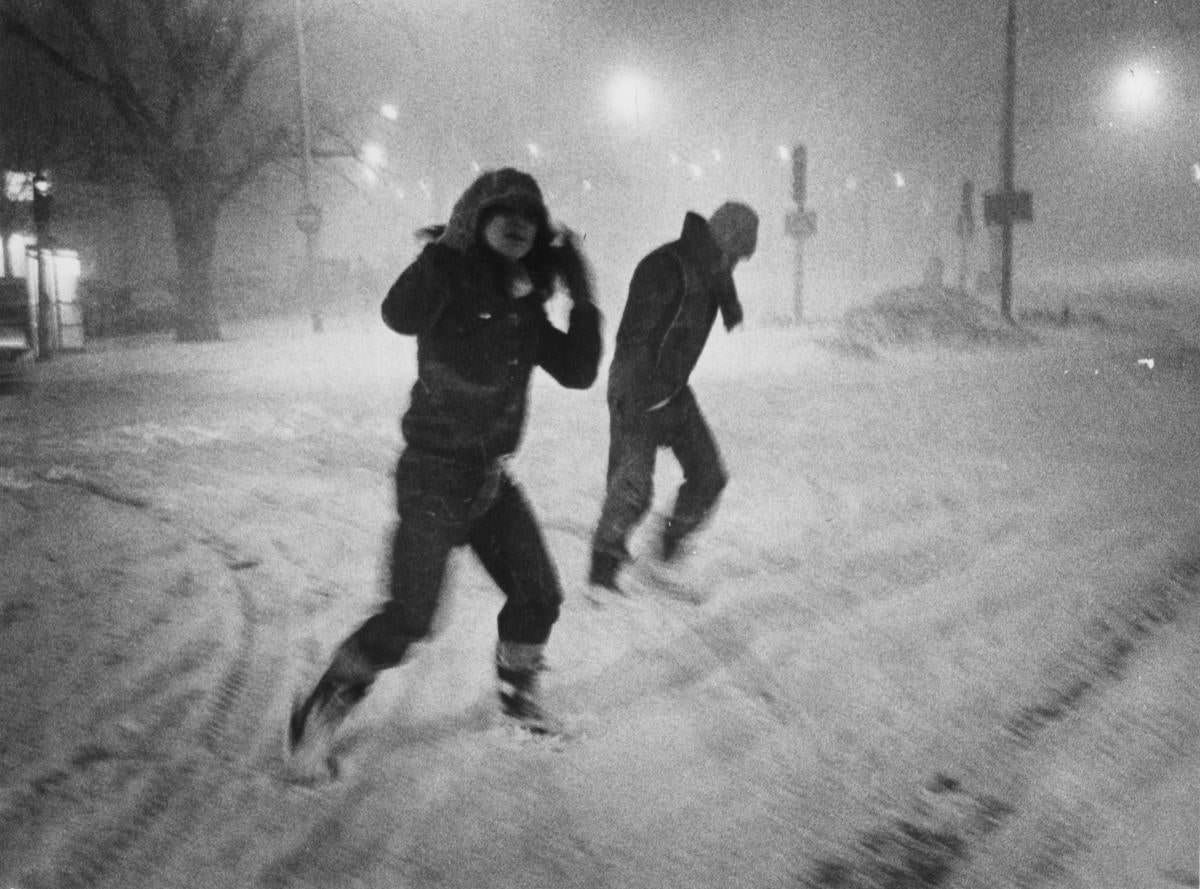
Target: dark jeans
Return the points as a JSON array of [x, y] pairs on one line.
[[444, 504], [633, 444]]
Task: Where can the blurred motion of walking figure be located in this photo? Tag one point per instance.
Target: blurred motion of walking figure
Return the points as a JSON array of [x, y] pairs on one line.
[[475, 298], [674, 297]]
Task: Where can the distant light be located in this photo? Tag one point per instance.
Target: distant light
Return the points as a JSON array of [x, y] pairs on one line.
[[630, 97], [535, 150], [374, 154], [476, 167], [389, 111], [1137, 87], [18, 186], [716, 155], [898, 178], [400, 192], [587, 185], [784, 153], [851, 184], [695, 171], [1196, 173], [370, 177]]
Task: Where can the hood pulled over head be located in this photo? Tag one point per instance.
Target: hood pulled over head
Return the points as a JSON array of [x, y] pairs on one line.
[[506, 188], [735, 228]]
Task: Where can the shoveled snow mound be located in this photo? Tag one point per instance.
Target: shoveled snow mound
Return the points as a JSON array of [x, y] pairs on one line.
[[927, 316]]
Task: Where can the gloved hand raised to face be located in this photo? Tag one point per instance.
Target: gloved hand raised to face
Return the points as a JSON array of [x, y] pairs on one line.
[[572, 266]]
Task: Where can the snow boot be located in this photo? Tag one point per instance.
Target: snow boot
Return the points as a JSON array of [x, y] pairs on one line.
[[315, 720], [603, 572], [518, 670], [672, 543]]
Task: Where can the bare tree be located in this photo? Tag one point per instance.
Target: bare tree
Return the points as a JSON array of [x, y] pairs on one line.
[[179, 75]]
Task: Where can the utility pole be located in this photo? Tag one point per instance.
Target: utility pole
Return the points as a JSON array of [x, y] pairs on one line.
[[308, 217], [1006, 206], [1006, 157]]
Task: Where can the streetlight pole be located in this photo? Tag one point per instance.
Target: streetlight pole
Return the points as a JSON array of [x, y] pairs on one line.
[[308, 217]]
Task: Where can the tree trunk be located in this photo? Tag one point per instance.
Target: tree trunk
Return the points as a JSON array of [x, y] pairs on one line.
[[195, 213]]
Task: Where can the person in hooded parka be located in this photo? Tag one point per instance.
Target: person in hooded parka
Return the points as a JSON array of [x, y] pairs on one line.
[[475, 299]]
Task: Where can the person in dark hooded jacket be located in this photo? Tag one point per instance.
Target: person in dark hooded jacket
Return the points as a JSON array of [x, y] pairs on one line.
[[675, 295], [475, 299]]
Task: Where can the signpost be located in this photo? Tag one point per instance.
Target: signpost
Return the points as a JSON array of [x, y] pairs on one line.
[[964, 231], [800, 224]]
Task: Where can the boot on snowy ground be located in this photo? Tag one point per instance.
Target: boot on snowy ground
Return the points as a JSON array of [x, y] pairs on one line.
[[603, 572], [518, 671], [314, 721]]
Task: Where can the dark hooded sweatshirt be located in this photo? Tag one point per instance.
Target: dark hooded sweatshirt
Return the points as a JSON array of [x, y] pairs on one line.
[[477, 340], [674, 297]]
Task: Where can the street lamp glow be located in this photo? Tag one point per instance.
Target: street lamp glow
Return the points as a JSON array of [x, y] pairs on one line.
[[630, 97], [1137, 87], [389, 112]]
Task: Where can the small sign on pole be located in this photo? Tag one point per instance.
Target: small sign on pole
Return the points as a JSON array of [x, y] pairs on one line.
[[1002, 208]]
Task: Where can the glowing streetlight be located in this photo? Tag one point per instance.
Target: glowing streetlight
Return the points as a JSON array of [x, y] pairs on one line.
[[1137, 87], [388, 111], [630, 97]]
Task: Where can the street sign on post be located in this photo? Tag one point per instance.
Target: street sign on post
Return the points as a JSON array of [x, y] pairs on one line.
[[1004, 208], [800, 224], [800, 175]]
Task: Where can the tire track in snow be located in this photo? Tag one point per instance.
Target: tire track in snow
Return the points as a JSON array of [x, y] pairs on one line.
[[949, 821], [141, 835]]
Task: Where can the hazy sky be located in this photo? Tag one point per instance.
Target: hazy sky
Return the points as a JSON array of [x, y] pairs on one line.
[[871, 87]]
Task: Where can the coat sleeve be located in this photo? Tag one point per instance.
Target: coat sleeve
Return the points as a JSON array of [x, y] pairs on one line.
[[655, 298], [419, 296], [573, 358]]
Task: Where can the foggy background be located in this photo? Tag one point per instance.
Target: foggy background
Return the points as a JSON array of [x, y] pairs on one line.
[[629, 115]]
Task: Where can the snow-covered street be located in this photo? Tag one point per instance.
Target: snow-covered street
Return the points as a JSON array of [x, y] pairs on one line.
[[948, 628]]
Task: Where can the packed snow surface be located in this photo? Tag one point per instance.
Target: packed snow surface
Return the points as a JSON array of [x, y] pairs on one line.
[[943, 629]]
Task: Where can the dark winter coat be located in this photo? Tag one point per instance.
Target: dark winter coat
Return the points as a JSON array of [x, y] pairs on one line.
[[674, 296], [478, 341]]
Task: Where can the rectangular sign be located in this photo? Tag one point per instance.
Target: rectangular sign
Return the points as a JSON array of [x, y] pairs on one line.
[[1000, 207]]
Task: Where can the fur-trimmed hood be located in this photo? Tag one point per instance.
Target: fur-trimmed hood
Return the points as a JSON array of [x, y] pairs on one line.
[[506, 187]]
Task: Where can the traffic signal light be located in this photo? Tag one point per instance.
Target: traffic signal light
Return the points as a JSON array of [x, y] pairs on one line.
[[42, 203]]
